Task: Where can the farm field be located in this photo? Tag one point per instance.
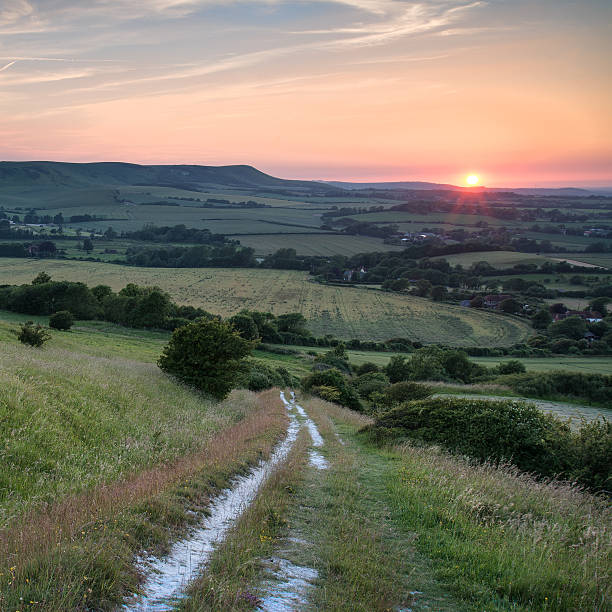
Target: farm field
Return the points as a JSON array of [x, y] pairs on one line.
[[498, 259], [218, 220], [507, 259], [346, 312], [595, 365], [316, 244]]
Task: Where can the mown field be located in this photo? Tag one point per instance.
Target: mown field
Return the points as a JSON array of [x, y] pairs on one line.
[[345, 312], [316, 244], [507, 259]]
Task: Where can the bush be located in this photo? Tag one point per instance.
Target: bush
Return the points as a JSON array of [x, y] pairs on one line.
[[506, 431], [365, 368], [514, 366], [334, 380], [406, 391], [369, 383], [62, 320], [592, 387], [33, 335], [486, 430], [206, 355]]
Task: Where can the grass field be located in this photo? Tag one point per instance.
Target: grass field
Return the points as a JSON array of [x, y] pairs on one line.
[[316, 244], [346, 312], [507, 259]]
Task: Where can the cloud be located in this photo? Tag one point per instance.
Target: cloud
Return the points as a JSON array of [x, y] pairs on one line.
[[7, 66]]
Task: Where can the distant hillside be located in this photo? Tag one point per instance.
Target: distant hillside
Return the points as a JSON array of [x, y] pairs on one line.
[[561, 191], [36, 174]]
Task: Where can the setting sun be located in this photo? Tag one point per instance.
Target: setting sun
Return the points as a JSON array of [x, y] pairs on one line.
[[472, 179]]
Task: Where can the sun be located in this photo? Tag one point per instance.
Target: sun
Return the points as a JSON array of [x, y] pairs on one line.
[[472, 180]]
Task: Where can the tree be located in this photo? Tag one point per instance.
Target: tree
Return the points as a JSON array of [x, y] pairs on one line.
[[541, 319], [397, 369], [511, 306], [423, 287], [34, 335], [42, 278], [88, 245], [572, 327], [600, 305], [62, 320], [206, 355], [293, 322], [245, 326], [438, 293]]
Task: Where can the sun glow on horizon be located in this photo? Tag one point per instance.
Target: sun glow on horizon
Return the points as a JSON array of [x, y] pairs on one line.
[[472, 180]]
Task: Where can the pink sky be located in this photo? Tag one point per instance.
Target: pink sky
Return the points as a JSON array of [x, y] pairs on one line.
[[518, 92]]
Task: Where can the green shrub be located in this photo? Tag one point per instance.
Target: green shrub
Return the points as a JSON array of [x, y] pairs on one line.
[[514, 366], [406, 391], [365, 368], [334, 380], [34, 335], [484, 429], [594, 455], [62, 320], [206, 355], [258, 381], [507, 430], [592, 387], [334, 360], [372, 382]]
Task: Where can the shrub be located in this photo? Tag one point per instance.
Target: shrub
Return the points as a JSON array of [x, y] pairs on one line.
[[592, 387], [365, 368], [484, 429], [334, 360], [206, 355], [33, 335], [372, 382], [335, 380], [406, 391], [514, 366], [506, 431], [62, 320]]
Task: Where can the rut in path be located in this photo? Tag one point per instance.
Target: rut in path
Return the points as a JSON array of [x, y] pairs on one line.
[[168, 577]]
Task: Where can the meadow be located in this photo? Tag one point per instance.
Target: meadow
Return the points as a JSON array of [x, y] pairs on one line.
[[346, 312], [507, 259]]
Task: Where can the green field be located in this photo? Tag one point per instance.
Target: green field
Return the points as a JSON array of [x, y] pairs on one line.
[[316, 244], [507, 259], [345, 312]]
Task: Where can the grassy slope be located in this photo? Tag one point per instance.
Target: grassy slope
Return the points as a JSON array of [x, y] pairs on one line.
[[73, 418], [495, 539], [343, 311]]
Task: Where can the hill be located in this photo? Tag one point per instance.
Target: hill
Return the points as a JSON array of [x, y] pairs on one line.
[[47, 178]]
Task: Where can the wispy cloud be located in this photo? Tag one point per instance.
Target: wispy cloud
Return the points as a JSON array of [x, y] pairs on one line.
[[7, 66]]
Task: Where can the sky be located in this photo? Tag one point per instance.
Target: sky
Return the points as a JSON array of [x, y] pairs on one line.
[[518, 92]]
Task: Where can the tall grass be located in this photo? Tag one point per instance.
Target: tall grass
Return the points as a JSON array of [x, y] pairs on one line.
[[78, 552], [501, 539], [70, 421]]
